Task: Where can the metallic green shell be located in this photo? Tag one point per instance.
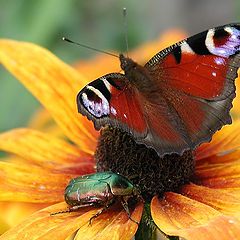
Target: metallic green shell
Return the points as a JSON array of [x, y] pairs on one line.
[[97, 188]]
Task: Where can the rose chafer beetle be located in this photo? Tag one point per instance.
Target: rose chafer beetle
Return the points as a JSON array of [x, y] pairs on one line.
[[99, 189]]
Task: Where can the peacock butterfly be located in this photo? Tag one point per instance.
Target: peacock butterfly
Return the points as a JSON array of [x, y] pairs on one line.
[[178, 100]]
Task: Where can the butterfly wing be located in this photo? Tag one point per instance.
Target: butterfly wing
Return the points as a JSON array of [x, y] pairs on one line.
[[195, 79], [197, 76], [112, 100]]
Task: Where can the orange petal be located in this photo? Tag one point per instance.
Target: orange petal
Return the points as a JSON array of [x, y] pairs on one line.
[[177, 215], [41, 148], [98, 66], [146, 51], [103, 63], [221, 172], [54, 83], [42, 225], [29, 183], [221, 200], [236, 102], [225, 158], [228, 183], [224, 141], [113, 224], [211, 171]]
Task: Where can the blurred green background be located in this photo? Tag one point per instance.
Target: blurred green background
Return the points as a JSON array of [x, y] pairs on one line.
[[98, 23]]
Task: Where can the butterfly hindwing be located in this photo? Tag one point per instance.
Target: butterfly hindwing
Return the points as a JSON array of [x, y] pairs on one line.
[[187, 96]]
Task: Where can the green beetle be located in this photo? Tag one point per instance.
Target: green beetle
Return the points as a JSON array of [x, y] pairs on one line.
[[99, 189]]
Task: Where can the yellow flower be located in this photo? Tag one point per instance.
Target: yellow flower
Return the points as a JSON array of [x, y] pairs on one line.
[[42, 162]]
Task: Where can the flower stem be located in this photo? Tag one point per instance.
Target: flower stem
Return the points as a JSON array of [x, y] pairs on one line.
[[147, 229]]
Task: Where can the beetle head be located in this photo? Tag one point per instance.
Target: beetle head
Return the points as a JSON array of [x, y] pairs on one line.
[[136, 190]]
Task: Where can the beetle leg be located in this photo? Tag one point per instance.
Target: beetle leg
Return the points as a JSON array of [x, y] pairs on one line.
[[108, 204], [72, 209], [125, 206]]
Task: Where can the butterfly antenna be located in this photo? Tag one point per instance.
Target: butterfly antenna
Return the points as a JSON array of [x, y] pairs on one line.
[[125, 27], [86, 46]]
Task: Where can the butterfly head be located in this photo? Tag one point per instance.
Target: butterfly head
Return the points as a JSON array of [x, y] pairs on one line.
[[126, 63]]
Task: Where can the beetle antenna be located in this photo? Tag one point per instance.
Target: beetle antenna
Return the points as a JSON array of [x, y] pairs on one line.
[[88, 47], [125, 28]]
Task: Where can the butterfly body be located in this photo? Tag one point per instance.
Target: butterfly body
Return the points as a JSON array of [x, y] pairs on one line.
[[137, 75], [177, 100]]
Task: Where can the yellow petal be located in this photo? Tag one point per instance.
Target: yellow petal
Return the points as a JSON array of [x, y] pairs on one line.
[[43, 121], [42, 225], [29, 183], [221, 200], [177, 215], [40, 148], [15, 212], [224, 141], [54, 83], [3, 226]]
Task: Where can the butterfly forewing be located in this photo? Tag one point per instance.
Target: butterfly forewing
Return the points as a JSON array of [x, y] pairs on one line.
[[110, 100], [201, 65]]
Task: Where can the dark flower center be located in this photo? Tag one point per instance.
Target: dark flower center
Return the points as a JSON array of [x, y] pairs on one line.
[[117, 151]]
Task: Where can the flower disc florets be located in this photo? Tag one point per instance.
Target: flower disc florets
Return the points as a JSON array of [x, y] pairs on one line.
[[117, 151]]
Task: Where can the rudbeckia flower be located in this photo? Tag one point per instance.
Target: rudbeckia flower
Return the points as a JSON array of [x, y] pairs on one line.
[[201, 199]]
